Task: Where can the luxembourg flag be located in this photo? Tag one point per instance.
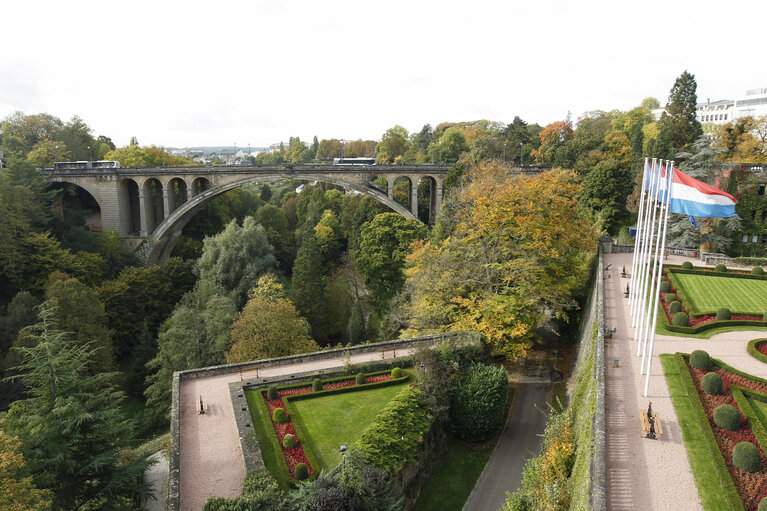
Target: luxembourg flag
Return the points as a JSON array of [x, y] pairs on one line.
[[692, 197]]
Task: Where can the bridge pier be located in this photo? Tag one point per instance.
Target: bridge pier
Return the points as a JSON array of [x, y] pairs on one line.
[[144, 212]]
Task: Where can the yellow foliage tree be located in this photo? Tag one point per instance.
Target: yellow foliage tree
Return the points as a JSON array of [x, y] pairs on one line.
[[269, 325], [17, 493], [518, 251]]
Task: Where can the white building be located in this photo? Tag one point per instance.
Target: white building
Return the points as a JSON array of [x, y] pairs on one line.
[[715, 113]]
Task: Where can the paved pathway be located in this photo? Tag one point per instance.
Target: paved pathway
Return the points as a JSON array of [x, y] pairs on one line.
[[157, 475], [520, 441], [211, 461], [642, 473]]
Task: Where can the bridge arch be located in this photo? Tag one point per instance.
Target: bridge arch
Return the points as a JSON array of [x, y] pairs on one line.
[[130, 206], [87, 202], [164, 236]]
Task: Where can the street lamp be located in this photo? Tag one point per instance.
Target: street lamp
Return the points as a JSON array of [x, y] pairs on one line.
[[90, 152], [520, 154], [504, 151]]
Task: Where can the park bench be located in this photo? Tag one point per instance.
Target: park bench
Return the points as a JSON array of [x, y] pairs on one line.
[[647, 432], [393, 350], [243, 371]]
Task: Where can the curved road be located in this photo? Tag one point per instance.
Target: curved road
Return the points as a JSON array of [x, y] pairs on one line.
[[520, 441]]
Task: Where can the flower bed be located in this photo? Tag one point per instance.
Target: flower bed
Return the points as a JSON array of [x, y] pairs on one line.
[[762, 348], [296, 455], [752, 487]]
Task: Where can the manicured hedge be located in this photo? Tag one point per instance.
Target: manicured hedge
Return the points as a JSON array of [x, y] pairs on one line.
[[715, 324], [751, 261], [723, 314], [741, 396], [479, 403], [671, 297], [700, 359], [712, 384], [687, 265], [746, 457], [755, 352], [675, 307], [665, 287], [720, 268], [757, 270], [681, 319], [727, 417]]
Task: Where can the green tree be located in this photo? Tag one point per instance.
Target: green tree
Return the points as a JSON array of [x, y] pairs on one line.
[[605, 190], [310, 288], [269, 325], [46, 152], [679, 115], [17, 491], [235, 257], [393, 145], [78, 310], [195, 335], [72, 427], [449, 147], [383, 245]]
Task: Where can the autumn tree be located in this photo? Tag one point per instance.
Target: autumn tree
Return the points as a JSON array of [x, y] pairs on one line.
[[519, 250], [384, 243], [72, 427], [394, 143], [17, 490], [555, 148], [269, 325], [744, 140]]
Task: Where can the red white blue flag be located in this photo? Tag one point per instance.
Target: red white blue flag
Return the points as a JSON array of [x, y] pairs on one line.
[[696, 198]]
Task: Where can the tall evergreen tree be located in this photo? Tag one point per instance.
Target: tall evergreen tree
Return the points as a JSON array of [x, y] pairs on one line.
[[310, 286], [679, 116], [72, 427]]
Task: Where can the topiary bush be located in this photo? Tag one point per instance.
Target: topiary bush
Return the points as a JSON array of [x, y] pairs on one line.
[[699, 359], [280, 415], [671, 297], [271, 393], [317, 385], [680, 319], [746, 457], [723, 313], [712, 384], [727, 417], [289, 441], [687, 265], [302, 471], [479, 402], [675, 307], [720, 268], [665, 287], [757, 270], [397, 373], [359, 379]]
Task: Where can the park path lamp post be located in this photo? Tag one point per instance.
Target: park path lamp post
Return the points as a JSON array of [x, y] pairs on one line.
[[520, 154], [504, 151], [90, 152]]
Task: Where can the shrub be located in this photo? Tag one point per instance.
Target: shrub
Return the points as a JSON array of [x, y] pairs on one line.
[[302, 471], [479, 403], [699, 359], [723, 313], [680, 319], [665, 287], [279, 415], [727, 417], [671, 297], [317, 385], [712, 384], [687, 265], [289, 441], [675, 307], [397, 373], [271, 393], [720, 268], [746, 457], [359, 379], [757, 270]]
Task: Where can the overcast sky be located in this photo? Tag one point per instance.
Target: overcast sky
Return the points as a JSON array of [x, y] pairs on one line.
[[189, 73]]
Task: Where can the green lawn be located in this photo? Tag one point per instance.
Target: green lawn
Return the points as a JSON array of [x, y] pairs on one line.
[[330, 421], [452, 481], [708, 293]]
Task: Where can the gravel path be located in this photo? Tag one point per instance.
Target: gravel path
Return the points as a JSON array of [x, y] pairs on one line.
[[211, 461], [642, 473]]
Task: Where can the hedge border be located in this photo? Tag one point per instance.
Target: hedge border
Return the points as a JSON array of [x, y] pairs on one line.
[[757, 428], [679, 360], [268, 429], [751, 348], [675, 283]]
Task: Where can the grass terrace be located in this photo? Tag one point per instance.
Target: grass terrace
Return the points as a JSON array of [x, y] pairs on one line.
[[706, 293]]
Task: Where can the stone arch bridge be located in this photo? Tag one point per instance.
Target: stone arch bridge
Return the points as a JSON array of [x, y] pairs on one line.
[[149, 206]]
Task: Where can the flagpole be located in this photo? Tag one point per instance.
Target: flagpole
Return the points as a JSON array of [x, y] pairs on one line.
[[642, 260], [655, 283], [645, 273], [663, 246], [637, 234]]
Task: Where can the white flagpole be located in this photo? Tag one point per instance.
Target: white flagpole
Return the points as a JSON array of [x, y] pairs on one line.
[[663, 247], [642, 312], [655, 282], [638, 234], [642, 260]]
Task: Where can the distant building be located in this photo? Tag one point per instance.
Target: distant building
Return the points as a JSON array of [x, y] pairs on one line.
[[715, 113]]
